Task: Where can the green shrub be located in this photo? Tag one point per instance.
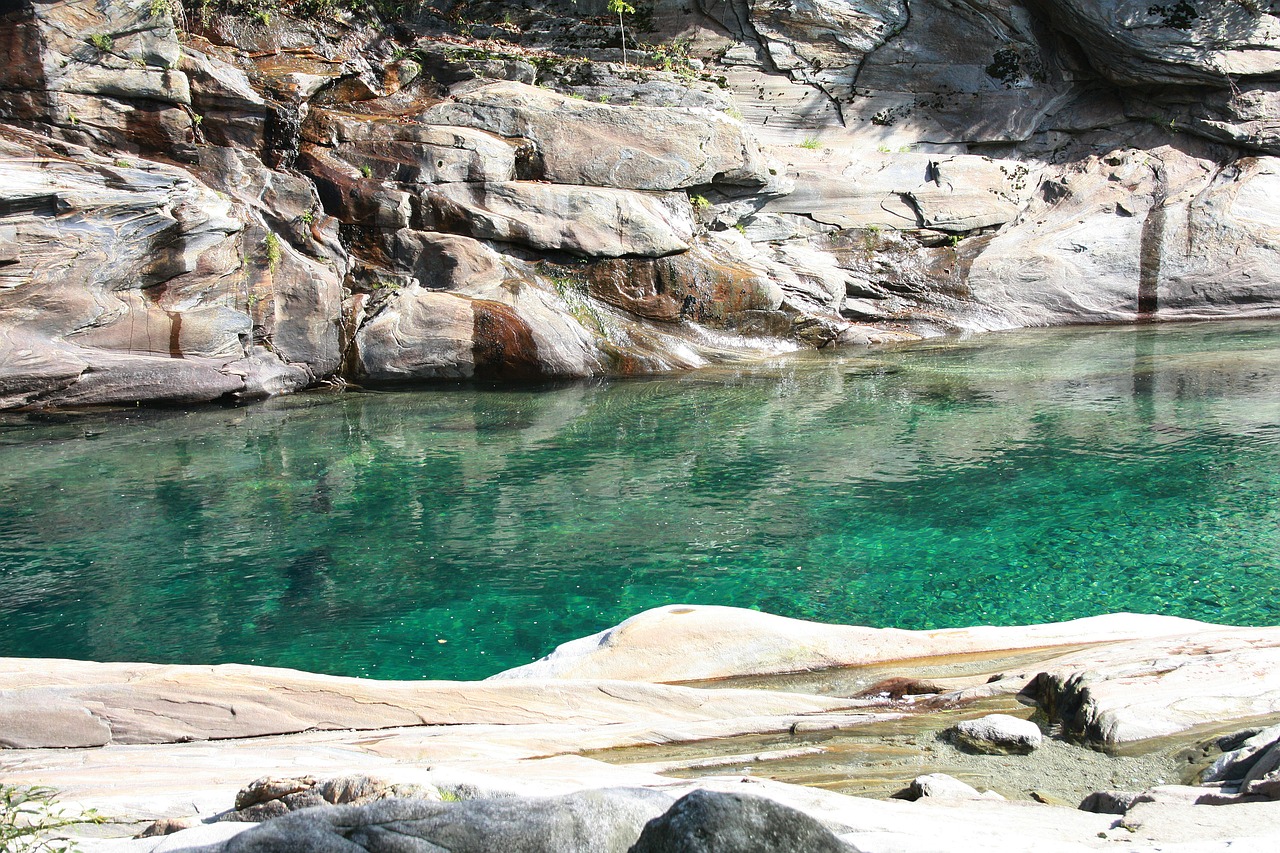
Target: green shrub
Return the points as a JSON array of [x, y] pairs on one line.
[[101, 42]]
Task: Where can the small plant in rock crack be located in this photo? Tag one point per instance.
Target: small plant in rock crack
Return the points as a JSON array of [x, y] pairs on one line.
[[29, 820], [272, 251], [102, 42], [622, 7]]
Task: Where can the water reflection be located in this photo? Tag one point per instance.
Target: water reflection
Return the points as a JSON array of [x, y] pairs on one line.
[[1009, 478]]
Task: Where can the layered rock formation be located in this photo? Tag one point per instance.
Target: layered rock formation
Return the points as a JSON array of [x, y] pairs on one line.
[[241, 199]]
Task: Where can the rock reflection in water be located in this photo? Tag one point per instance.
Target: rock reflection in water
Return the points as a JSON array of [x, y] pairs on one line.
[[1005, 479]]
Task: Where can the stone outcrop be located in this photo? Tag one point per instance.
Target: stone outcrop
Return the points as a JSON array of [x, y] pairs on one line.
[[324, 197], [1152, 688]]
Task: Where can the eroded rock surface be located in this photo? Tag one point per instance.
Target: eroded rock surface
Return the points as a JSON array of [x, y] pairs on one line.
[[229, 205], [1156, 687]]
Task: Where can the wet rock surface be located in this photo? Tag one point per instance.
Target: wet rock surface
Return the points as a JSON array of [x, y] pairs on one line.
[[816, 174]]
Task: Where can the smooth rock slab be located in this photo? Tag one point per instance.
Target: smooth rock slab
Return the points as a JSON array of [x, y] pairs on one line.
[[716, 822], [94, 704], [656, 645], [996, 734]]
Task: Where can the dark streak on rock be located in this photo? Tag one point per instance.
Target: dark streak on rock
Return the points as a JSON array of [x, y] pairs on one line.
[[175, 334], [502, 344], [1152, 247]]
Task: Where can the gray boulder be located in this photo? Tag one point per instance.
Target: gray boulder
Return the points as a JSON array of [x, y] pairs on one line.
[[582, 822], [1263, 778], [996, 734], [942, 786], [715, 822]]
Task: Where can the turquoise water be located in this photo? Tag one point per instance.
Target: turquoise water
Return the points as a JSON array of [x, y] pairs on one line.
[[452, 533]]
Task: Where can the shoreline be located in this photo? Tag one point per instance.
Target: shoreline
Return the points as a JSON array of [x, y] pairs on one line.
[[131, 739]]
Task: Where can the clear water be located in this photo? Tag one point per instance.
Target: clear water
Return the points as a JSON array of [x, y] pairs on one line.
[[452, 533]]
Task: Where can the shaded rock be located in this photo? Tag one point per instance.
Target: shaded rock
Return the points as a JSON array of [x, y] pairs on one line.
[[996, 734], [106, 74], [1263, 778], [715, 822], [232, 112], [1136, 42], [585, 822], [1236, 763], [1110, 802]]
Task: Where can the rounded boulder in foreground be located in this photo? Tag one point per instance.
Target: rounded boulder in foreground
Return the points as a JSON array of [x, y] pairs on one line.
[[996, 734]]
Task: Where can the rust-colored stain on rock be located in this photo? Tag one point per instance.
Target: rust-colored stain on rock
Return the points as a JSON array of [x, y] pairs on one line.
[[503, 344]]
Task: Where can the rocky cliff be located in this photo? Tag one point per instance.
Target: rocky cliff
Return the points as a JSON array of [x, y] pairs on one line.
[[238, 198]]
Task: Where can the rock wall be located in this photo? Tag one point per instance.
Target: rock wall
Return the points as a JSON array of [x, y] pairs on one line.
[[241, 199]]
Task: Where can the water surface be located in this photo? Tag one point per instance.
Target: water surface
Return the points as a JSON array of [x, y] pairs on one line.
[[455, 532]]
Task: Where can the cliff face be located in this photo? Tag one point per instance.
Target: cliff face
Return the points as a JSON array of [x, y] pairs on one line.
[[241, 198]]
